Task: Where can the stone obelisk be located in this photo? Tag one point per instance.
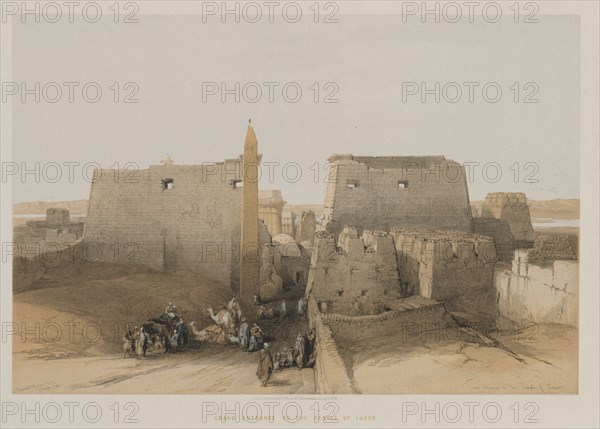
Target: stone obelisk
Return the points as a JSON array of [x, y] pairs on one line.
[[249, 271]]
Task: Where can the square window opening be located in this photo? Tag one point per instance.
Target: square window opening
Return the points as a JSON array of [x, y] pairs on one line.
[[167, 184], [352, 184]]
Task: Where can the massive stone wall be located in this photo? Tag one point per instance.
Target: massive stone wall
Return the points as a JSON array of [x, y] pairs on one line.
[[358, 278], [421, 319], [330, 371], [452, 267], [170, 217], [546, 293], [499, 231], [379, 193], [511, 207]]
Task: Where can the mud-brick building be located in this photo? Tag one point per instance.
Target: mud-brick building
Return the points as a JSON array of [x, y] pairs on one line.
[[170, 217], [380, 193]]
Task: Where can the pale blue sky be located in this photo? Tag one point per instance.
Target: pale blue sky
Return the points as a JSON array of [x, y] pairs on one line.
[[368, 57]]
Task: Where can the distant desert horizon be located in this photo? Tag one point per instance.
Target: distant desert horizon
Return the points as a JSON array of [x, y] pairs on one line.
[[563, 209]]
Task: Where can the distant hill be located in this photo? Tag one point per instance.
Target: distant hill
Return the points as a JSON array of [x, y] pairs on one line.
[[555, 209], [548, 209], [40, 207], [551, 209]]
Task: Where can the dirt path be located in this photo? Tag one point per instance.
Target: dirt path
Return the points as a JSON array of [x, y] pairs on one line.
[[71, 323], [209, 369]]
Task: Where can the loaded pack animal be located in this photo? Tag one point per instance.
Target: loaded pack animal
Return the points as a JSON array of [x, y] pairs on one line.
[[164, 327], [227, 319], [210, 334], [157, 331], [168, 322], [224, 320]]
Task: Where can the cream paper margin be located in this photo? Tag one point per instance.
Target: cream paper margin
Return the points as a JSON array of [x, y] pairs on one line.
[[184, 411]]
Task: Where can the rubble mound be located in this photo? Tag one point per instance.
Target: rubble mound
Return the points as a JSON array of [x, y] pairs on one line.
[[103, 298]]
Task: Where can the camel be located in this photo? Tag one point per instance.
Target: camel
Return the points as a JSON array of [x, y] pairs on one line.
[[227, 320], [198, 335], [210, 334], [224, 320]]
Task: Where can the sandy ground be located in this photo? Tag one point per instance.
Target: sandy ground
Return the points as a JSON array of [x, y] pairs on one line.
[[541, 359], [208, 369], [69, 327], [70, 323]]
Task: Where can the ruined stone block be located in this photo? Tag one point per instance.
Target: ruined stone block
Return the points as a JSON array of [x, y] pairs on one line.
[[349, 280], [448, 266], [511, 207], [56, 218]]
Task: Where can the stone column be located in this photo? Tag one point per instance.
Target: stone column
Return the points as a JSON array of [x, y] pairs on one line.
[[270, 210]]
